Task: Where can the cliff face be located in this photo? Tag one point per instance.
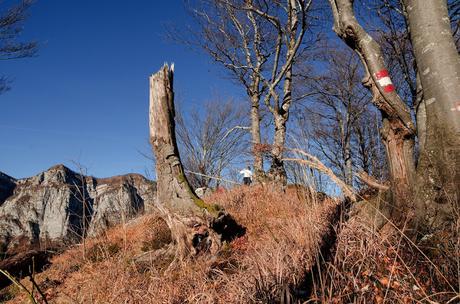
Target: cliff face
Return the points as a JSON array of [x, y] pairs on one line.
[[60, 206]]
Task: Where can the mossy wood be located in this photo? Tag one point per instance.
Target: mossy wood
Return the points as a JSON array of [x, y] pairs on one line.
[[174, 191], [195, 225]]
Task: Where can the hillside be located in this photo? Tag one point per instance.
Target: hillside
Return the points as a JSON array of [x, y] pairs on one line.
[[58, 207], [296, 248], [283, 238]]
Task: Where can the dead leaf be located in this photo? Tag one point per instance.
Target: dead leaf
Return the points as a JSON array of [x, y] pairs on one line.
[[384, 281], [395, 285]]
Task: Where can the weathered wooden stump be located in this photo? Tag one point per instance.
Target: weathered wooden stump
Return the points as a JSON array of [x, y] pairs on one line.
[[196, 226]]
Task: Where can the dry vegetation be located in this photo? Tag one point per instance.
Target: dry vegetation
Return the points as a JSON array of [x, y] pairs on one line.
[[374, 264], [272, 263], [281, 243], [386, 267]]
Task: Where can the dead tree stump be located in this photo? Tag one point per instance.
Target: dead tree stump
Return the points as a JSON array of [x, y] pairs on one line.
[[195, 225]]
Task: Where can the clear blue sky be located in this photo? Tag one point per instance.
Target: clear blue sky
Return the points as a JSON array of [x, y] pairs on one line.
[[85, 97]]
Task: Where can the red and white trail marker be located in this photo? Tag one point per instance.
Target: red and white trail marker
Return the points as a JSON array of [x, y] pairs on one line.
[[384, 81]]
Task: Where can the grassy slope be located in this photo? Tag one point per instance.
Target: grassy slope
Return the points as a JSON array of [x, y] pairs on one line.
[[282, 241], [284, 234]]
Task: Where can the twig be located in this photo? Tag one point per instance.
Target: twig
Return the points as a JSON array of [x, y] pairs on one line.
[[19, 284], [315, 163], [370, 181]]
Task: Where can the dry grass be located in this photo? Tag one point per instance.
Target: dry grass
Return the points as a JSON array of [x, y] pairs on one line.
[[388, 267], [270, 264], [283, 236]]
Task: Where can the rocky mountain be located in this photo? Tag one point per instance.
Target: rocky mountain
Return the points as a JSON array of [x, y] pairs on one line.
[[60, 206]]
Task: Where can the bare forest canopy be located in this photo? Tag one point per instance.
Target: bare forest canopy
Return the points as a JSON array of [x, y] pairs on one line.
[[11, 26], [375, 100]]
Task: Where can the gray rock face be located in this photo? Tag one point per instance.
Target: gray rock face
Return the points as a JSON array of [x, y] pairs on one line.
[[61, 206]]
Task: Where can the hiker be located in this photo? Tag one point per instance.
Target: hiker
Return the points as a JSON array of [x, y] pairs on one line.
[[247, 176]]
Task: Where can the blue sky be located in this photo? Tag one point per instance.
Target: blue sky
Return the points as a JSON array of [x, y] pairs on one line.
[[84, 98]]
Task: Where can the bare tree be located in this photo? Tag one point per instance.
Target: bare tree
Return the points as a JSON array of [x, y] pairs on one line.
[[235, 39], [398, 129], [343, 126], [210, 142], [436, 178], [258, 43], [338, 106], [289, 21], [369, 154], [11, 20], [400, 53], [392, 33]]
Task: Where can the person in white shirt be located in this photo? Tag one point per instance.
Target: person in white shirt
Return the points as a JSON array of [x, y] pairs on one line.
[[247, 176]]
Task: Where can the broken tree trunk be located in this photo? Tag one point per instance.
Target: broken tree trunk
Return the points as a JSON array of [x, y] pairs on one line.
[[174, 191], [195, 225]]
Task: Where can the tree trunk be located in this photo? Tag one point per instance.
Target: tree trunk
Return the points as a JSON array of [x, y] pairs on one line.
[[398, 131], [277, 173], [196, 226], [400, 158], [174, 191], [420, 114], [255, 133], [348, 162], [438, 178]]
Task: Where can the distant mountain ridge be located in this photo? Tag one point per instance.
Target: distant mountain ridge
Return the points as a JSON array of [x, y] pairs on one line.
[[60, 206]]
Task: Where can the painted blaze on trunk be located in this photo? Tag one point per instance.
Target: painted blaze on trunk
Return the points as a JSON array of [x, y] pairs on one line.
[[428, 194], [398, 129]]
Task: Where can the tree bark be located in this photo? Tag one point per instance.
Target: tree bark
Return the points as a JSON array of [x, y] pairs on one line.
[[398, 128], [174, 191], [277, 173], [348, 162], [438, 172], [195, 225], [281, 118], [420, 114], [256, 141], [400, 156]]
